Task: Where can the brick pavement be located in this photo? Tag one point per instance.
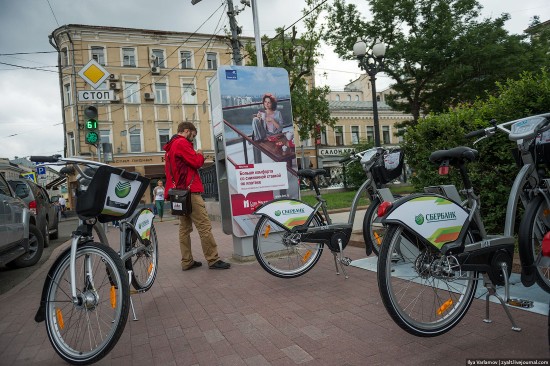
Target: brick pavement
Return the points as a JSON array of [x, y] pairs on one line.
[[244, 316]]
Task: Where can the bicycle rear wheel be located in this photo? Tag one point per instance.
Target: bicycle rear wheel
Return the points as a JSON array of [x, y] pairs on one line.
[[281, 253], [85, 331], [425, 293], [534, 225], [373, 234], [144, 264]]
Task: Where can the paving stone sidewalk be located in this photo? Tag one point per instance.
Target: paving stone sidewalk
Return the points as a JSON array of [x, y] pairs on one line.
[[244, 316]]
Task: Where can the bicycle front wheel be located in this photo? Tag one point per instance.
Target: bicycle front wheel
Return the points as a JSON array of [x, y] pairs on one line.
[[534, 225], [424, 292], [144, 264], [85, 330], [281, 253], [373, 234]]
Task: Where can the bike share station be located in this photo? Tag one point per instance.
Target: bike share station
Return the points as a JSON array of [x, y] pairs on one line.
[[251, 169]]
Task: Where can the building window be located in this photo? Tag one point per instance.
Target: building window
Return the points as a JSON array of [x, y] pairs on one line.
[[354, 134], [386, 134], [98, 54], [131, 92], [211, 61], [105, 136], [67, 94], [348, 98], [357, 98], [186, 61], [337, 97], [400, 133], [164, 137], [129, 57], [161, 94], [339, 135], [158, 58], [370, 133], [64, 56], [135, 139], [71, 146], [323, 137], [378, 98], [189, 94]]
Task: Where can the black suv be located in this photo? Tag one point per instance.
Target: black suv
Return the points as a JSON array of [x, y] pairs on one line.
[[21, 244], [43, 212]]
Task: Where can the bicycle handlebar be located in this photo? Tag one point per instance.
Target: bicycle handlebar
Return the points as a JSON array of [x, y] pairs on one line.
[[45, 159]]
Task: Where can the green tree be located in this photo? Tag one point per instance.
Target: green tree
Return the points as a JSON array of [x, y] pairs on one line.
[[493, 174], [439, 54], [299, 54]]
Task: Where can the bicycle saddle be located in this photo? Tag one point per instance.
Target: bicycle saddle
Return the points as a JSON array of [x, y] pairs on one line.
[[311, 173], [456, 154]]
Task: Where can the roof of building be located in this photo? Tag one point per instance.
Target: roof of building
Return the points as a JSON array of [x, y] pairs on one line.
[[355, 105]]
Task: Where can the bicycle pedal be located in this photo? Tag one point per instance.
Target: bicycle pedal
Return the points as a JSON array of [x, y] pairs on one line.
[[520, 303], [346, 261]]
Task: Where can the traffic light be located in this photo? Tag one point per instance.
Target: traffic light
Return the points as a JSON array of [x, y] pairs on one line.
[[92, 134]]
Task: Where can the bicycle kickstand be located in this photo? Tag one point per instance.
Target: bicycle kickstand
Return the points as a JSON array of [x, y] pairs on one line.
[[131, 302], [491, 291], [342, 261]]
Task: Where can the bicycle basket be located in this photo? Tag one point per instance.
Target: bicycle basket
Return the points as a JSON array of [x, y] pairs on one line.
[[389, 167], [113, 194]]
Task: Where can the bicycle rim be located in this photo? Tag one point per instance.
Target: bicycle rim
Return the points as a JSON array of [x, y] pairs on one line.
[[419, 299], [539, 225], [144, 265], [374, 232], [84, 333], [282, 254]]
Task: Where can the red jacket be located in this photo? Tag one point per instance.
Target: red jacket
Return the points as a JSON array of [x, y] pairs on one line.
[[182, 160]]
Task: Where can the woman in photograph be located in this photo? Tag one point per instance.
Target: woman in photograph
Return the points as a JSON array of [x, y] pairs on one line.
[[267, 122]]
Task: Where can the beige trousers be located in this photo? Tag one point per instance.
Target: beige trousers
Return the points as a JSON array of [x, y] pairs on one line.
[[200, 218]]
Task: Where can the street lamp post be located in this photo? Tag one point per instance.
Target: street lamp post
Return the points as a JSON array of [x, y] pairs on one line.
[[372, 62]]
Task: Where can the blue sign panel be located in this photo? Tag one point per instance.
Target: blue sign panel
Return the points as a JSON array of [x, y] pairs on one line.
[[41, 170]]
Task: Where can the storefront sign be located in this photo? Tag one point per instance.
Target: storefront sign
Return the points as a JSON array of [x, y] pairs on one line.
[[336, 152]]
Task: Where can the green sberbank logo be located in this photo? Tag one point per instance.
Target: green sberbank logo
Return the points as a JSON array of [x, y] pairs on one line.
[[277, 213], [419, 219], [435, 217], [122, 189]]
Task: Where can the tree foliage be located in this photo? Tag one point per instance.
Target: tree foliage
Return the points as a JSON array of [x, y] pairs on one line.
[[299, 54], [493, 174], [439, 53]]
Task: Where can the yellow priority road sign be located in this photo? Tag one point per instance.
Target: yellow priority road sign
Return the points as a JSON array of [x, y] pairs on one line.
[[94, 74]]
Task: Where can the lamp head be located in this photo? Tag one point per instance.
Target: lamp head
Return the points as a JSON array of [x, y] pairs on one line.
[[360, 48], [379, 49]]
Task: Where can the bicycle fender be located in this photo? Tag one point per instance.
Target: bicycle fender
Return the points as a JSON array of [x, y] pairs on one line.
[[433, 217], [143, 221], [286, 212]]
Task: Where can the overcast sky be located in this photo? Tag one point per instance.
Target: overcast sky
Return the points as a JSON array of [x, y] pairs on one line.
[[30, 107]]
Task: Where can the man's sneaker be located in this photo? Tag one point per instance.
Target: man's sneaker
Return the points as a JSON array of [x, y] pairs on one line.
[[220, 265], [194, 265]]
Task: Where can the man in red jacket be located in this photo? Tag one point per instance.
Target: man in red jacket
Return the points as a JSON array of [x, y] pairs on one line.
[[183, 161]]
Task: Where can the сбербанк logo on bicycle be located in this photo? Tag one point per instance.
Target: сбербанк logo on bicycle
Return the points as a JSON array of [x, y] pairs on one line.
[[122, 189], [419, 219]]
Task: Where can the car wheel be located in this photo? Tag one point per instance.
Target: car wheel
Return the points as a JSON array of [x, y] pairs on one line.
[[36, 247]]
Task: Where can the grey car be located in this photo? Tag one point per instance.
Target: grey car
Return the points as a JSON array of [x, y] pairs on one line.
[[43, 212], [21, 244]]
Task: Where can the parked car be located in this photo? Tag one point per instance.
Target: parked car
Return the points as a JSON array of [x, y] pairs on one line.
[[43, 211], [21, 244]]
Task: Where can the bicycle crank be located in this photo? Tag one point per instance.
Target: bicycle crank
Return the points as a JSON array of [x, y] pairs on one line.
[[521, 303]]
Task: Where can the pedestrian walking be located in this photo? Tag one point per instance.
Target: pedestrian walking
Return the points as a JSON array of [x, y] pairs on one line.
[[62, 206], [158, 192], [183, 161]]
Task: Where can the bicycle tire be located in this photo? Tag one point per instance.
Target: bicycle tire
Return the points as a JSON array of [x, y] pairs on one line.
[[534, 225], [419, 302], [278, 256], [144, 264], [373, 238], [102, 309]]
